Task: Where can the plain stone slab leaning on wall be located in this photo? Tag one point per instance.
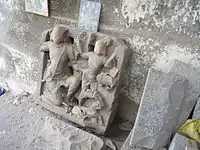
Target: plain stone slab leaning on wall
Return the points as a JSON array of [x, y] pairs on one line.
[[160, 93]]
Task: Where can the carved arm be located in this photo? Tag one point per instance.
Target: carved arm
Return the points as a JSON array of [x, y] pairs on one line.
[[109, 61], [45, 47], [86, 55]]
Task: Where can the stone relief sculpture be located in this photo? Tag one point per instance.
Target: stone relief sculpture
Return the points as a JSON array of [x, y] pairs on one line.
[[81, 74]]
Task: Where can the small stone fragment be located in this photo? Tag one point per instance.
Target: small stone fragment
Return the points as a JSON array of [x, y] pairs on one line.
[[126, 126], [113, 72], [180, 142], [16, 102], [76, 110], [110, 144], [196, 113]]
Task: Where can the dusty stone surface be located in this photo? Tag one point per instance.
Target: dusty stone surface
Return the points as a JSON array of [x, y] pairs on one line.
[[180, 142], [82, 76], [56, 134], [23, 127], [188, 71], [28, 126], [192, 74], [162, 99], [149, 41]]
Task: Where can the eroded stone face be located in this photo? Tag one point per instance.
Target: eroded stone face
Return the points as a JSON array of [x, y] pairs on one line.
[[164, 95], [81, 76]]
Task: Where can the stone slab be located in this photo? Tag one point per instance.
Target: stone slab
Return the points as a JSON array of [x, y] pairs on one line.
[[56, 134], [188, 71], [180, 142], [126, 145], [192, 74], [164, 95]]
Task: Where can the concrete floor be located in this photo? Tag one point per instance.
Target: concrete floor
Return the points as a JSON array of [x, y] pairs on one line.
[[20, 125]]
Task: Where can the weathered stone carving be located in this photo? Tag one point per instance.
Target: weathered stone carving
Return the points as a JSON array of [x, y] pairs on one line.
[[81, 75]]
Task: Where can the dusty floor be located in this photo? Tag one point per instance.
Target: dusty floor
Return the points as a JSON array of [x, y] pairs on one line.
[[20, 126]]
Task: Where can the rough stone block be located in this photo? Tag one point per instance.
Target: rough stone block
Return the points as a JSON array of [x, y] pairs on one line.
[[163, 97], [180, 142], [192, 74]]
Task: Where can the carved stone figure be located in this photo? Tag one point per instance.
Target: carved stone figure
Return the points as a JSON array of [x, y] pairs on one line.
[[96, 60], [81, 73], [57, 73]]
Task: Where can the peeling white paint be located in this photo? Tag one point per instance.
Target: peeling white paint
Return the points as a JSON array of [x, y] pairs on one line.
[[162, 14], [133, 10]]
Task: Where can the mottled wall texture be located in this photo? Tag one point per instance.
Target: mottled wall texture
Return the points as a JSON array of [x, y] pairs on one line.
[[155, 30]]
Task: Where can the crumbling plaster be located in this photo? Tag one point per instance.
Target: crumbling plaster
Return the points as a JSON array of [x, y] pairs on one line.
[[163, 15]]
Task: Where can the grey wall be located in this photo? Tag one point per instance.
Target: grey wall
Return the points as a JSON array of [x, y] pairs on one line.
[[156, 30]]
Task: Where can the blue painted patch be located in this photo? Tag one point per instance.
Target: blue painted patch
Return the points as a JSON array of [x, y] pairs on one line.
[[89, 15], [2, 91]]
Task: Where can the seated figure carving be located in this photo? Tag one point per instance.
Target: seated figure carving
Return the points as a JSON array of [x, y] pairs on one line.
[[96, 61], [57, 73]]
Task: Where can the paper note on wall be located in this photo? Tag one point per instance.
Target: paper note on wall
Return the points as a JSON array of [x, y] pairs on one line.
[[89, 15]]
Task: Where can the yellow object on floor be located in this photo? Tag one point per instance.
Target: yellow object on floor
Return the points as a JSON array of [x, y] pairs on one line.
[[191, 129]]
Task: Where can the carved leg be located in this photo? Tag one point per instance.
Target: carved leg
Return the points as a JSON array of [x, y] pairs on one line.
[[84, 88], [72, 84], [85, 82], [99, 100], [53, 93], [73, 87]]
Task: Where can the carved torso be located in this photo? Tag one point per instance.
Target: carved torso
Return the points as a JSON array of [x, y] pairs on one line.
[[95, 63], [60, 55]]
